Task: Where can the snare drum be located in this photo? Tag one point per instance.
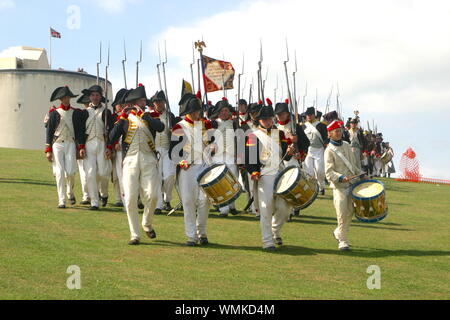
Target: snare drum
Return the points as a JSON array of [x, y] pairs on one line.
[[297, 188], [386, 158], [220, 185], [369, 201]]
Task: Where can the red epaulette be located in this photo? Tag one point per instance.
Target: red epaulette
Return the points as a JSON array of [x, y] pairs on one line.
[[208, 124], [155, 114], [177, 127]]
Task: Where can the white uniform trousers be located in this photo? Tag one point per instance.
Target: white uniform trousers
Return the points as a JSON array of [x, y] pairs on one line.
[[377, 166], [64, 169], [344, 211], [167, 172], [315, 165], [97, 170], [195, 203], [118, 176], [140, 177], [83, 180], [274, 211]]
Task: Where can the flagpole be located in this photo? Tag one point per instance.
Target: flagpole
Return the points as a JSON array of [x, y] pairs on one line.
[[50, 49], [199, 46]]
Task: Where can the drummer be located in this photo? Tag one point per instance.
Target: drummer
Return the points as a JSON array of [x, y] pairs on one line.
[[266, 147], [340, 168]]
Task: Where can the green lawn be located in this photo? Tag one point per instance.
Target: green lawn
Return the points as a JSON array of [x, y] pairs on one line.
[[38, 243]]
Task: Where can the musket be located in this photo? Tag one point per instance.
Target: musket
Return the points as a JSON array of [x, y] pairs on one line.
[[192, 68], [275, 91], [329, 100], [137, 67], [291, 107], [98, 65], [106, 93], [304, 97], [264, 82], [250, 97], [239, 78], [123, 64], [223, 79], [295, 90], [260, 81], [165, 80], [158, 67], [338, 104]]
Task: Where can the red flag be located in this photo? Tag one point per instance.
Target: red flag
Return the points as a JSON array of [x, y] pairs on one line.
[[218, 74], [55, 34]]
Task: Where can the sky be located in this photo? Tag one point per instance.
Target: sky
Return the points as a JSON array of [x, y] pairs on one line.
[[389, 58]]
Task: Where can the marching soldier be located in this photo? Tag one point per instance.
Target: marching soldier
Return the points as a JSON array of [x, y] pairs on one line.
[[225, 143], [341, 166], [97, 151], [266, 148], [64, 130], [84, 100], [190, 138], [167, 169], [140, 173], [356, 141], [300, 139], [117, 157], [318, 137]]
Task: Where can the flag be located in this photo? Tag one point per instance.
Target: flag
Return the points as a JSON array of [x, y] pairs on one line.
[[219, 75], [55, 34], [186, 88]]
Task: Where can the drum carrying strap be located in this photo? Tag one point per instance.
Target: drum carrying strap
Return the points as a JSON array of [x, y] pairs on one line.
[[347, 163]]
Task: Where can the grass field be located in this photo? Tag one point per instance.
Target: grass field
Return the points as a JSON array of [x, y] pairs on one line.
[[38, 243]]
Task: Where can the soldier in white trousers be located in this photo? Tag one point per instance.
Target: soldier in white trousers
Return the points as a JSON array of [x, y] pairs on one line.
[[341, 166], [189, 140], [63, 131], [225, 145], [167, 168], [84, 100], [140, 173], [264, 161], [97, 152], [317, 135]]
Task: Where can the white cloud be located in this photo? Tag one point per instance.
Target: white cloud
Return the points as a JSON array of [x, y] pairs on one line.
[[6, 4], [388, 56]]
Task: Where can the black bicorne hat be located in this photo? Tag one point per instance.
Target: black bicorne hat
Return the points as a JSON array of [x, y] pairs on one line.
[[62, 92], [94, 88], [254, 107], [265, 112], [119, 97], [136, 94], [185, 98], [281, 107], [330, 116], [243, 101], [159, 96], [310, 111], [84, 99], [190, 106]]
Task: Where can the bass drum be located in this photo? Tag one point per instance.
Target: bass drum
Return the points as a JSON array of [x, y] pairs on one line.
[[297, 188], [369, 201], [220, 185]]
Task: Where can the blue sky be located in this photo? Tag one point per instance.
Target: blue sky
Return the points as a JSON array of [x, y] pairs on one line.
[[391, 58]]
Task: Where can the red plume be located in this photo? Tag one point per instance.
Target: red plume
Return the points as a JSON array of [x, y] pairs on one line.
[[199, 95], [140, 85], [260, 102], [287, 101], [269, 102], [209, 103], [224, 99]]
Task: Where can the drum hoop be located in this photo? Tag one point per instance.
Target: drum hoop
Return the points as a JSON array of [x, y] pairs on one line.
[[227, 203], [370, 198], [311, 201], [277, 179], [373, 220], [215, 180]]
